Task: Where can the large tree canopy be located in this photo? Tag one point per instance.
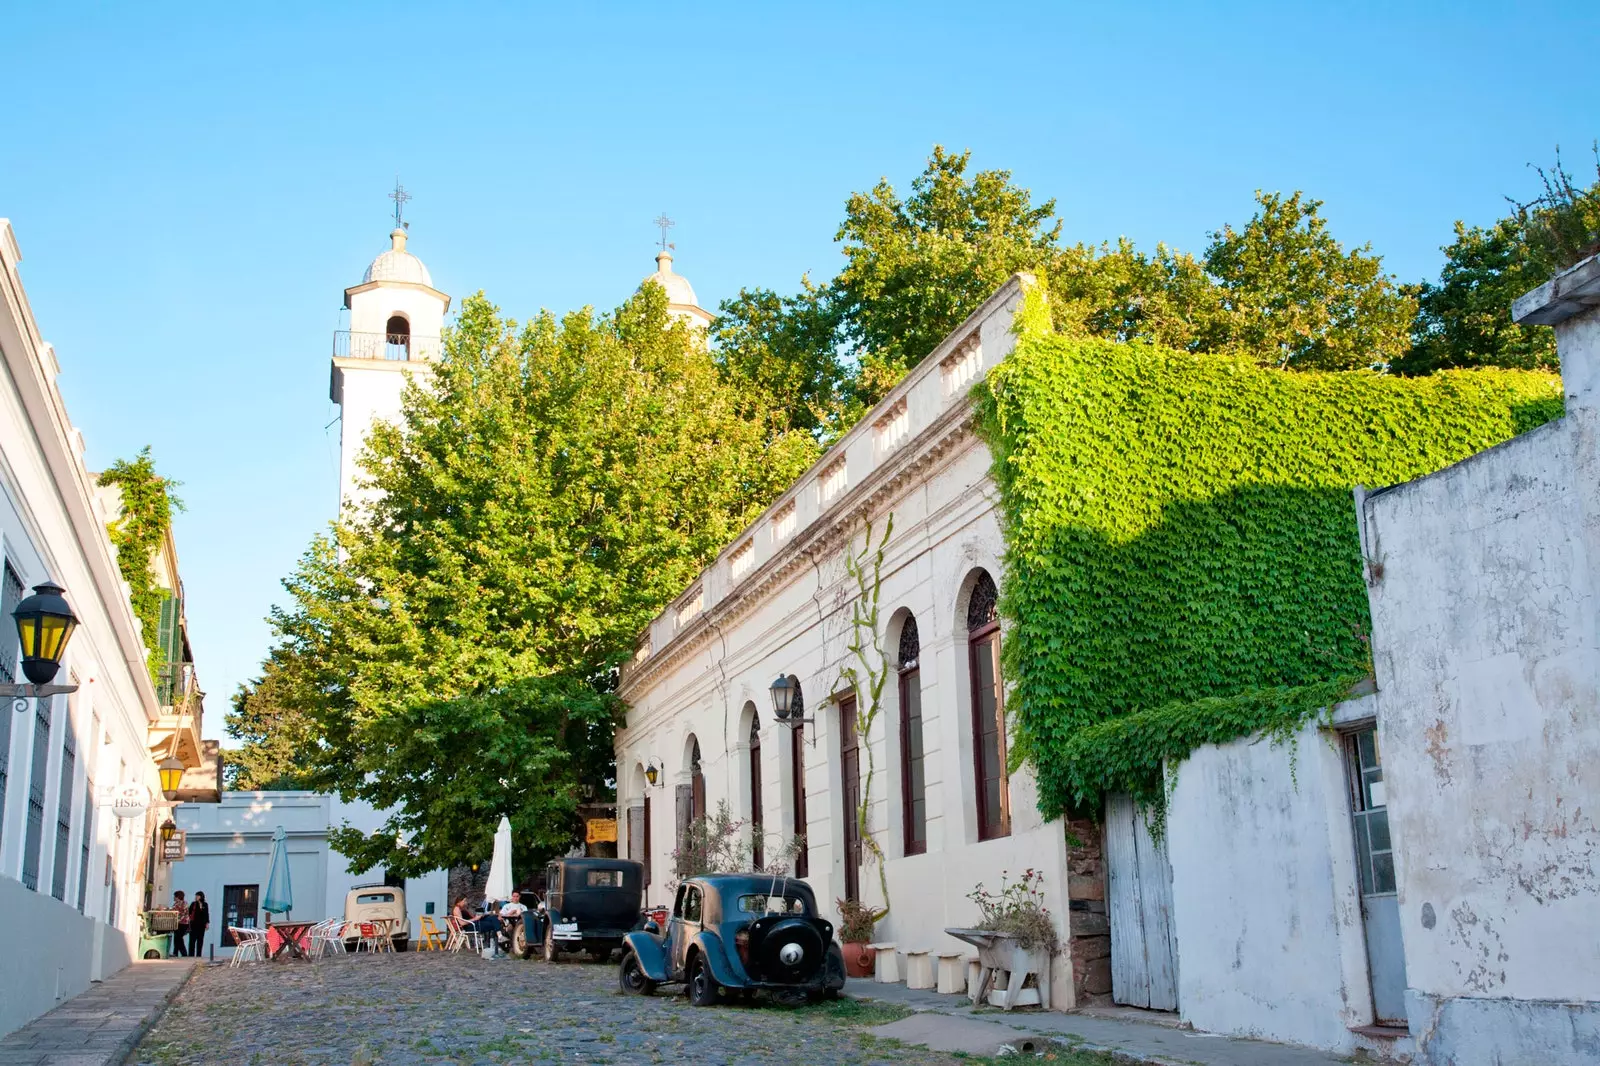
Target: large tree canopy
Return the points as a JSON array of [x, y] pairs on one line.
[[549, 491]]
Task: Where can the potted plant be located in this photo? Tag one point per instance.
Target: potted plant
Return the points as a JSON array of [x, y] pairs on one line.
[[856, 922]]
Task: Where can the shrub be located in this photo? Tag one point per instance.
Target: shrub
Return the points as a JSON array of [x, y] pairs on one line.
[[856, 921], [1018, 908]]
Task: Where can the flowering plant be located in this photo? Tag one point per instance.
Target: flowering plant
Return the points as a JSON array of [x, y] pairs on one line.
[[1018, 908]]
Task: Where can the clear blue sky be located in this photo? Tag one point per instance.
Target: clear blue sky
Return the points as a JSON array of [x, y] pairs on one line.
[[193, 189]]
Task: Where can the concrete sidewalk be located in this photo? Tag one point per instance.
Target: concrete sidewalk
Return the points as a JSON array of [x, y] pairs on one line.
[[982, 1031], [102, 1026]]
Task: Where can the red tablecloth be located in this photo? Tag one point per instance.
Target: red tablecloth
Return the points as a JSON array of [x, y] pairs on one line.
[[275, 939]]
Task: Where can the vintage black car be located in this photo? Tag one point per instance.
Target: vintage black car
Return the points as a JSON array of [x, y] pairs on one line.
[[737, 932], [591, 904]]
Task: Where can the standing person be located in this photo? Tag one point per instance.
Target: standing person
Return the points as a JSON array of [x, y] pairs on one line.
[[180, 939], [199, 919]]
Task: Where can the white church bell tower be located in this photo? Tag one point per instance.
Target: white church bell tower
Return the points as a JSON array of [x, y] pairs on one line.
[[396, 318]]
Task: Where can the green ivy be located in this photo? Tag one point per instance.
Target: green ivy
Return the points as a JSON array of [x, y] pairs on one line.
[[147, 506], [1183, 566]]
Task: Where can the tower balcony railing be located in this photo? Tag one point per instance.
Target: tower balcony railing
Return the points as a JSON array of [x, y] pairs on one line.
[[393, 347]]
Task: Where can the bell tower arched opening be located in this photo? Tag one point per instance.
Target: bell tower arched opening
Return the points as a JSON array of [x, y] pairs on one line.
[[397, 338]]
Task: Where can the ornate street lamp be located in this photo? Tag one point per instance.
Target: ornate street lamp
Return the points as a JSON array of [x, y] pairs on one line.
[[171, 776], [44, 625], [169, 829], [652, 772], [782, 695]]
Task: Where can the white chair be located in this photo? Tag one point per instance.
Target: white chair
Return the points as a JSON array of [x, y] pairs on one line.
[[328, 935], [461, 937], [249, 945]]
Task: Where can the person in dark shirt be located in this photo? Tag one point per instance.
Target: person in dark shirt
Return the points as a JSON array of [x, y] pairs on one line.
[[199, 919]]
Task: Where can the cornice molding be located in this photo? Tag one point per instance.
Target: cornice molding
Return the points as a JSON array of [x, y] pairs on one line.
[[828, 534]]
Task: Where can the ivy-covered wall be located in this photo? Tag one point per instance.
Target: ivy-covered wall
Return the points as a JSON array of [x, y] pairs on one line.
[[1183, 564]]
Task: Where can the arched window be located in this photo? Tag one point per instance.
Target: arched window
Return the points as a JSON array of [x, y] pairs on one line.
[[988, 710], [697, 784], [913, 792], [757, 857], [797, 780], [397, 338]]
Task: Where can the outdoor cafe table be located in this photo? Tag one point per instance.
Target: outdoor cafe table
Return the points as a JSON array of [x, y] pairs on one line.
[[290, 937]]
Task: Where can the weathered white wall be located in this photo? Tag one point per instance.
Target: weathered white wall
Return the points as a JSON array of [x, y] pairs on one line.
[[230, 843], [1266, 902], [789, 614], [1485, 630]]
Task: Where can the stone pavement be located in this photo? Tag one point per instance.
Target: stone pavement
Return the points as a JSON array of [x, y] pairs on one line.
[[430, 1007], [1116, 1032], [101, 1026]]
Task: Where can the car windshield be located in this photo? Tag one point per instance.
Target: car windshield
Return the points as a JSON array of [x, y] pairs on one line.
[[773, 904]]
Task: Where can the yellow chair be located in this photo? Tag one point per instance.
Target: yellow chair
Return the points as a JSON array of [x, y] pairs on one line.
[[432, 937]]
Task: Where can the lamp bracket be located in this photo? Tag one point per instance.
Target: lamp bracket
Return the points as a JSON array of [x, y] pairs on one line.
[[792, 722], [22, 693]]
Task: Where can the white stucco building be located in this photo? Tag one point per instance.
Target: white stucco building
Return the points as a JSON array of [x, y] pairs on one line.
[[1486, 642], [72, 874], [776, 602], [230, 851]]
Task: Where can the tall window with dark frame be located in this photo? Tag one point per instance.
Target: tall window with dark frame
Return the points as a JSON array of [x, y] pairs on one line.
[[850, 790], [757, 852], [913, 790], [988, 710], [33, 843], [697, 783], [10, 649], [63, 854], [797, 766]]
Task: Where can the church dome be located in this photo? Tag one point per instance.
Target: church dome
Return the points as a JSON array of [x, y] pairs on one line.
[[679, 291], [397, 264]]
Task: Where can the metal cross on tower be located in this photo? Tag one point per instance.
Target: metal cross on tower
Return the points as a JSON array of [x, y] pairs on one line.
[[399, 196], [665, 223]]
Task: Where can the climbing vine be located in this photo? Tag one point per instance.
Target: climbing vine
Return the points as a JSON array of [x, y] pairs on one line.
[[1182, 559], [867, 668], [147, 507]]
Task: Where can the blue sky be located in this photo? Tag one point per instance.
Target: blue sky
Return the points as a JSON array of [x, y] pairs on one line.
[[194, 188]]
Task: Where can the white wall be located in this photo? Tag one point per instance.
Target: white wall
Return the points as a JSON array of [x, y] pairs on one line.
[[52, 527], [230, 843], [1266, 904], [1485, 631]]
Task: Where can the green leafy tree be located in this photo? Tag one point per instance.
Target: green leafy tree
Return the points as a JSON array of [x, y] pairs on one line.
[[784, 350], [1464, 320], [1116, 292], [539, 501], [278, 749], [1293, 298], [1563, 222], [916, 267], [147, 507]]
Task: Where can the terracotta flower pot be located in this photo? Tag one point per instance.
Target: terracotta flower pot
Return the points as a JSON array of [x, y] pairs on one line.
[[858, 960]]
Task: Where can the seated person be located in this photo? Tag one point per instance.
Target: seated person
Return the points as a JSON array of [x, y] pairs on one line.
[[487, 924], [513, 908]]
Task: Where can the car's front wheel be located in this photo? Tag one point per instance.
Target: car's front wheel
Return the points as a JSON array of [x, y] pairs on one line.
[[549, 942], [631, 978], [702, 986]]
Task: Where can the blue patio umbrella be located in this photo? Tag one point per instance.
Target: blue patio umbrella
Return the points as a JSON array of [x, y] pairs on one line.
[[279, 897]]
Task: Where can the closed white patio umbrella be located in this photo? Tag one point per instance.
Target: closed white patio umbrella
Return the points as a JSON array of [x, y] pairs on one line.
[[500, 876]]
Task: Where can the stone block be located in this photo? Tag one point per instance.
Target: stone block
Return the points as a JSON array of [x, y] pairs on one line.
[[1096, 979], [1080, 887], [1084, 948], [1088, 923]]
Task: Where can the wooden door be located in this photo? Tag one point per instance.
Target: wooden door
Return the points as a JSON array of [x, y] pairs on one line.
[[1144, 955], [850, 772]]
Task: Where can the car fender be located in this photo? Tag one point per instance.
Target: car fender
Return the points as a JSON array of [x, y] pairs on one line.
[[652, 955], [833, 971], [709, 944]]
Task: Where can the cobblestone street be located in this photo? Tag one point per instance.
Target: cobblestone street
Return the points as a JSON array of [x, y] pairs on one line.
[[458, 1008]]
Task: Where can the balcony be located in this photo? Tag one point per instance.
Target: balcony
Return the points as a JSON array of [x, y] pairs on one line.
[[177, 730], [384, 347]]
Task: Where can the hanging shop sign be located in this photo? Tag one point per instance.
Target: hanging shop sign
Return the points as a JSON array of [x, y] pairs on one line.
[[176, 847], [602, 831], [126, 801]]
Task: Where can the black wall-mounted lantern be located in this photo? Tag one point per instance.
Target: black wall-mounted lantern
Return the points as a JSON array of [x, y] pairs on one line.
[[44, 625]]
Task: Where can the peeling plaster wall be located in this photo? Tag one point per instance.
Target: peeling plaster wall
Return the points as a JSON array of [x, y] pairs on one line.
[[1264, 889], [1484, 637]]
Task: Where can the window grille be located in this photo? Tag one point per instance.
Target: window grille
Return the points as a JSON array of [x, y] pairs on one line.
[[34, 841]]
